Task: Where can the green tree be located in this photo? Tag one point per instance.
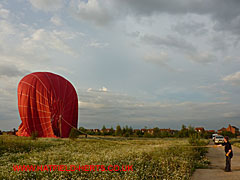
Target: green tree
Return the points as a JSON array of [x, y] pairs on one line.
[[118, 131], [147, 135], [111, 131], [164, 134], [156, 132], [139, 133], [228, 133], [131, 131], [82, 129], [183, 132], [74, 133], [191, 130], [123, 131], [104, 130], [206, 135]]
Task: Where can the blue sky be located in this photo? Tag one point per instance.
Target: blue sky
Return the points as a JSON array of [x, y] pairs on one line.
[[133, 62]]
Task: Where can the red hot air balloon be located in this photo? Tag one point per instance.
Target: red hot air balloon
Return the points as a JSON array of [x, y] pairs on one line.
[[47, 104]]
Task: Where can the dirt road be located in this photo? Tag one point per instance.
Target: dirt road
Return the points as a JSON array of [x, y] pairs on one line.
[[216, 156]]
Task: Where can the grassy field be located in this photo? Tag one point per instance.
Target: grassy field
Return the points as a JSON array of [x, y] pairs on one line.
[[235, 142], [150, 158]]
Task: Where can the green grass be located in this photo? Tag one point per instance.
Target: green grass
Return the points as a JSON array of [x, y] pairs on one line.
[[235, 142], [14, 144], [169, 158]]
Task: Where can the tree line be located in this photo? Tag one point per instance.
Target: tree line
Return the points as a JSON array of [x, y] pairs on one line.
[[126, 131]]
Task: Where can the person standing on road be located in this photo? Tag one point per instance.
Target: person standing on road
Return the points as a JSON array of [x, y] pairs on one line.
[[229, 153]]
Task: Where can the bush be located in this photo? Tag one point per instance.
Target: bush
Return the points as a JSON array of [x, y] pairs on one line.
[[147, 135], [74, 133], [195, 140], [15, 144], [34, 135], [228, 133]]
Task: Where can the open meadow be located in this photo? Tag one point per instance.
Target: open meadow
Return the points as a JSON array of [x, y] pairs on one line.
[[155, 158]]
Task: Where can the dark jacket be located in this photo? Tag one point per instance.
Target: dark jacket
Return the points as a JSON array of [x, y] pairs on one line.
[[228, 146]]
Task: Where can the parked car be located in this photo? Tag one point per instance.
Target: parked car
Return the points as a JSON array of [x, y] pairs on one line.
[[213, 137], [219, 139]]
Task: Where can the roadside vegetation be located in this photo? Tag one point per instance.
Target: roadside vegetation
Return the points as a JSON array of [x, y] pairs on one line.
[[235, 142], [151, 158], [126, 131]]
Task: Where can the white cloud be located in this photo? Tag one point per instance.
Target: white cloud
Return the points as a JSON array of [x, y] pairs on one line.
[[103, 89], [56, 21], [89, 89], [230, 59], [6, 29], [102, 108], [4, 13], [47, 5], [182, 45], [202, 57], [98, 44], [232, 115], [14, 51], [42, 40], [5, 92], [233, 78], [220, 42], [67, 35], [94, 11], [161, 59], [133, 34], [89, 105], [169, 41], [10, 70], [189, 28]]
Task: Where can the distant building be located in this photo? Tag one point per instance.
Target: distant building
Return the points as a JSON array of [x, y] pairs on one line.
[[165, 130], [221, 130], [168, 130], [143, 130], [96, 130], [12, 132], [150, 131], [135, 130], [233, 129], [211, 131], [93, 130], [200, 129], [107, 130]]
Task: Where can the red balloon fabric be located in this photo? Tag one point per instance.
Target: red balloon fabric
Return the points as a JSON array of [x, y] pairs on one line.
[[47, 104]]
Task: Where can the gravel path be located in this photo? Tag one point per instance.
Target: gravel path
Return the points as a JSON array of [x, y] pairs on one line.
[[216, 156]]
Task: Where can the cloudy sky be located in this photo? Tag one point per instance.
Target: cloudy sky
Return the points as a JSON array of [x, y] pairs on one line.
[[133, 62]]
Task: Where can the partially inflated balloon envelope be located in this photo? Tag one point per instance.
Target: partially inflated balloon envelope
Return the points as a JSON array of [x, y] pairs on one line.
[[47, 104]]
